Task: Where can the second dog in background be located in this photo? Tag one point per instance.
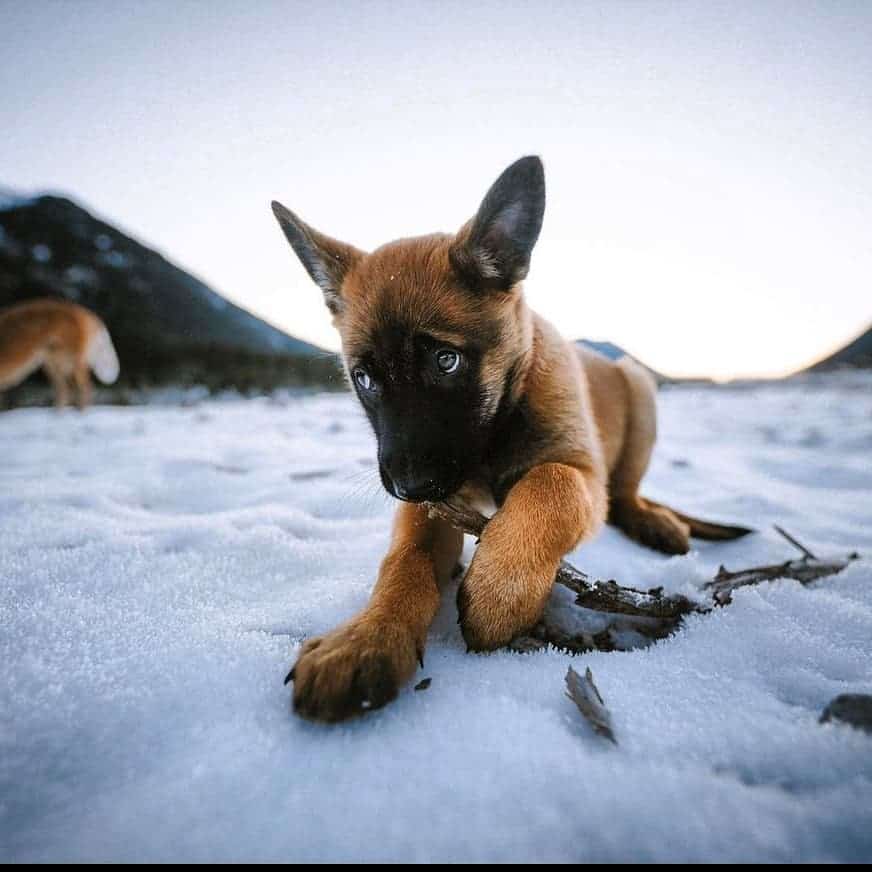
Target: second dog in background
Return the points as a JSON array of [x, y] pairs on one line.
[[67, 341]]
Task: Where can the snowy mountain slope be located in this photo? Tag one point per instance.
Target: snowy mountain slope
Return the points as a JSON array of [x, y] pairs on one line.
[[160, 566]]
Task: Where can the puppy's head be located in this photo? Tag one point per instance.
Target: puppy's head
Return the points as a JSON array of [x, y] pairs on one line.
[[434, 330]]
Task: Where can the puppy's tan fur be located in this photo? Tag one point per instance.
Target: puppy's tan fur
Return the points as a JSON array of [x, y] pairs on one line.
[[593, 426]]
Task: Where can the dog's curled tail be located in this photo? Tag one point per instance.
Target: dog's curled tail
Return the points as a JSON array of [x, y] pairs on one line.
[[102, 357]]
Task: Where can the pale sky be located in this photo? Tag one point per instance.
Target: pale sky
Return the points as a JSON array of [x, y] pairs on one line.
[[707, 163]]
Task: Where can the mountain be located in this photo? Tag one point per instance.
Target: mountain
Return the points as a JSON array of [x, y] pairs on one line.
[[615, 352], [167, 326], [608, 349], [855, 355]]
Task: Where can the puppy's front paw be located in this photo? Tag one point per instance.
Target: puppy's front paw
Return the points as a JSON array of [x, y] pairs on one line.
[[493, 608], [358, 667]]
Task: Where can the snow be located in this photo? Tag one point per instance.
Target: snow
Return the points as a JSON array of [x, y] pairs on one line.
[[160, 566]]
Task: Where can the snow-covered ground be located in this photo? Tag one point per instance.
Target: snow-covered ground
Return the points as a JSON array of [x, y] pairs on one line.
[[160, 565]]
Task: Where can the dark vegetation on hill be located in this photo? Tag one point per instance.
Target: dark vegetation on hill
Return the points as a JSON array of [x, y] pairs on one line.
[[168, 327], [855, 355]]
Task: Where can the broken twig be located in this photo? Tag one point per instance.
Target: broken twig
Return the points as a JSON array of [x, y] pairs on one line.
[[607, 616], [633, 618], [472, 523], [797, 543], [804, 571], [583, 692]]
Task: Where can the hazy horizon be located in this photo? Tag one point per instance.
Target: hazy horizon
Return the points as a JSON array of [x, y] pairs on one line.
[[709, 194]]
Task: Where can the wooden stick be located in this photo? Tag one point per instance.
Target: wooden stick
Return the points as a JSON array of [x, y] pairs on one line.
[[795, 542], [634, 617], [805, 571], [644, 615], [587, 698]]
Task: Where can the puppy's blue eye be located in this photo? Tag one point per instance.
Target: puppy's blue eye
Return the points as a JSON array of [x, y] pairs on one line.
[[447, 360], [363, 379]]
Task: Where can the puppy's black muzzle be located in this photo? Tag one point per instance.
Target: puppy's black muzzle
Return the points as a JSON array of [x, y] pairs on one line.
[[414, 488]]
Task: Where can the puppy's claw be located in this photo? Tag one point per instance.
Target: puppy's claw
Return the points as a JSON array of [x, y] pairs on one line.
[[290, 676], [357, 668], [421, 658]]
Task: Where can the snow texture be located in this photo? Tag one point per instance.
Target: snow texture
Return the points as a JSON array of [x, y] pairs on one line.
[[161, 565]]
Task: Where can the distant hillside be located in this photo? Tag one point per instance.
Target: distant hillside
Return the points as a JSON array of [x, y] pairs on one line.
[[608, 349], [168, 327], [615, 352], [855, 355]]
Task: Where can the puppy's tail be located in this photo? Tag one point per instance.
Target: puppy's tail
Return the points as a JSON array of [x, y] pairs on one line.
[[665, 529], [708, 530]]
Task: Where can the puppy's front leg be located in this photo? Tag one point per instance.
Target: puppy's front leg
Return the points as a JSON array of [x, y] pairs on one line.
[[362, 664], [545, 515]]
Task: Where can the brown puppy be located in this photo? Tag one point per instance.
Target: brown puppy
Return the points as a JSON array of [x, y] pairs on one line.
[[64, 339], [476, 399]]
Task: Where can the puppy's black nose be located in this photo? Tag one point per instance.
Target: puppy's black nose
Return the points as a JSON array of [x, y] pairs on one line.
[[418, 490]]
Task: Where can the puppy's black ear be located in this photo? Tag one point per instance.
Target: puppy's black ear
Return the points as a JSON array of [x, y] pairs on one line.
[[326, 260], [493, 249]]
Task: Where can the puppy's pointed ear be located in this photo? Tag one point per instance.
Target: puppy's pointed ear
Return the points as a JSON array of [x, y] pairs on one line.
[[493, 250], [326, 260]]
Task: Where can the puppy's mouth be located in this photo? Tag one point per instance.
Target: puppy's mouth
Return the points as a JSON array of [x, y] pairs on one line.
[[417, 489]]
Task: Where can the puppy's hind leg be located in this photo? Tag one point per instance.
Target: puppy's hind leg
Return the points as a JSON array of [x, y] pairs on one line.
[[648, 523], [655, 526]]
